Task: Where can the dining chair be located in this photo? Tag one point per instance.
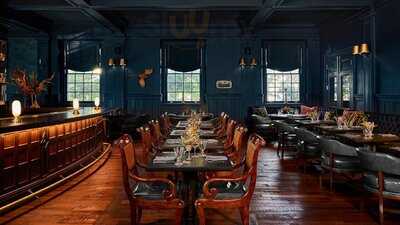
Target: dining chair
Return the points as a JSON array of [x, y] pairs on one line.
[[227, 136], [236, 152], [146, 192], [221, 127], [165, 124], [158, 137], [381, 178], [287, 138], [218, 196], [308, 147], [339, 158]]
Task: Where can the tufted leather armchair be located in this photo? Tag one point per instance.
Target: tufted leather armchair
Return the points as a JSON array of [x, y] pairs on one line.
[[381, 177], [259, 122], [338, 158]]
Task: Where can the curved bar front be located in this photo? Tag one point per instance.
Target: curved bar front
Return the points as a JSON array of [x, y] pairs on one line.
[[39, 149]]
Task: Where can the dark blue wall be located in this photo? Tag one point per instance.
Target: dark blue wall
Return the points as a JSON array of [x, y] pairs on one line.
[[376, 74], [223, 52], [141, 48]]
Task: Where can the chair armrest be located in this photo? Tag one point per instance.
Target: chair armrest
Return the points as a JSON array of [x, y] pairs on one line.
[[168, 194], [211, 193]]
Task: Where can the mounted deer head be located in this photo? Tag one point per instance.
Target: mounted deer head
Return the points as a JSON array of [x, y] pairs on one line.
[[143, 76]]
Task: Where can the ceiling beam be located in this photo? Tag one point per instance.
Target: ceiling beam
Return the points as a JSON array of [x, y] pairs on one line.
[[26, 21], [24, 7], [267, 9], [86, 9]]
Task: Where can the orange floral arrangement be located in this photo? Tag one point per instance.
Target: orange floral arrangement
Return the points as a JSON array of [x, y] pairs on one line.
[[353, 118], [30, 85]]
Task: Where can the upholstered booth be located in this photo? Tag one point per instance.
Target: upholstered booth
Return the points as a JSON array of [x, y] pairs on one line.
[[381, 177], [338, 158], [258, 121]]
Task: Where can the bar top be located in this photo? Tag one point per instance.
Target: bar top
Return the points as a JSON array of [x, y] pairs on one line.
[[45, 119]]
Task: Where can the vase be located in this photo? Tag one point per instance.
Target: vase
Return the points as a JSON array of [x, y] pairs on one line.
[[34, 102]]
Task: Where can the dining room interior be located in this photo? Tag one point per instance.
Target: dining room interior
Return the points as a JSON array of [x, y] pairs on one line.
[[195, 112]]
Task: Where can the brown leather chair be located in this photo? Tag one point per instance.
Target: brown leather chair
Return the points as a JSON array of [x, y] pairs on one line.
[[237, 197], [144, 192]]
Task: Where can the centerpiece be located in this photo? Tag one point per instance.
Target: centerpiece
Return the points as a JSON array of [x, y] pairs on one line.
[[368, 128], [314, 115], [353, 118], [191, 137], [30, 86]]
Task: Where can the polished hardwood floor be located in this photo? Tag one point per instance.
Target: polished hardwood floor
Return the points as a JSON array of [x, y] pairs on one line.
[[283, 195]]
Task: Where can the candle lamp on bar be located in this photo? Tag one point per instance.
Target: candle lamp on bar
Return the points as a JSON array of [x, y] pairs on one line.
[[97, 104], [16, 109], [75, 105]]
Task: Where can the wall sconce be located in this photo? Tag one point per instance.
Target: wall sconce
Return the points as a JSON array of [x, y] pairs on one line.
[[253, 62], [75, 106], [111, 62], [242, 63], [356, 50], [96, 103], [16, 109], [362, 49], [116, 62]]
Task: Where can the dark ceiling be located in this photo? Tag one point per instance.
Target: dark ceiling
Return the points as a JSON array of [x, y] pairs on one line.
[[118, 16]]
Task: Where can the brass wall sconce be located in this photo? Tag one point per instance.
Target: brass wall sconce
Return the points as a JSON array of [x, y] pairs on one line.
[[253, 61], [362, 49], [116, 62]]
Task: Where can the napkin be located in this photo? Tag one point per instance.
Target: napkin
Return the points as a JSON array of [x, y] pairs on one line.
[[216, 158]]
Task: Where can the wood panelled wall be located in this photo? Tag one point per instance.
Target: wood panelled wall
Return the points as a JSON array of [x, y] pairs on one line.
[[376, 75]]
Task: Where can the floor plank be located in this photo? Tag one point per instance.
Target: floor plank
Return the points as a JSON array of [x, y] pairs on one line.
[[283, 195]]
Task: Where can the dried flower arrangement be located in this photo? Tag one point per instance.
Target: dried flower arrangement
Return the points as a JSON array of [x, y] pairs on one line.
[[368, 128], [314, 115], [29, 85], [353, 118]]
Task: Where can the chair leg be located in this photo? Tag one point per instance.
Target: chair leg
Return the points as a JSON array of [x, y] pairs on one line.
[[200, 214], [244, 214], [178, 216], [331, 180], [133, 214], [381, 215], [139, 214], [320, 181]]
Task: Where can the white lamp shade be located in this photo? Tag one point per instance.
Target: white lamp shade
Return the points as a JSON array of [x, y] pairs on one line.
[[75, 104], [16, 108], [96, 102]]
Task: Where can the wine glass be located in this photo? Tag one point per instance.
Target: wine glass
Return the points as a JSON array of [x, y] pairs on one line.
[[202, 147]]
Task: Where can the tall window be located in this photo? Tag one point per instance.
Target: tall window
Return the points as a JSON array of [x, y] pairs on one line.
[[183, 86], [283, 62], [283, 86], [181, 63], [83, 85]]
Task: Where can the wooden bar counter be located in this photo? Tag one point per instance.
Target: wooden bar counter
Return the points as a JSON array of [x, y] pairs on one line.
[[40, 149]]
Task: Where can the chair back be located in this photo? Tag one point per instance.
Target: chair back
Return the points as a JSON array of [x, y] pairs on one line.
[[307, 136], [254, 145], [164, 124], [155, 130], [146, 139], [239, 137], [230, 129], [126, 147], [379, 162], [337, 148]]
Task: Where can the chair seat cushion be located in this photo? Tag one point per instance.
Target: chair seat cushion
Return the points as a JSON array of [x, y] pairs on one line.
[[229, 190], [391, 184], [342, 162], [149, 191]]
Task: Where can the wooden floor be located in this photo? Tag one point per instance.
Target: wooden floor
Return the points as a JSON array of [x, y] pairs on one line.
[[283, 196]]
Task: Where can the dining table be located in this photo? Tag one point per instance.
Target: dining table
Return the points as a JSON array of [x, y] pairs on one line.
[[370, 142], [189, 185], [204, 125], [203, 133], [313, 123], [333, 129], [210, 144]]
